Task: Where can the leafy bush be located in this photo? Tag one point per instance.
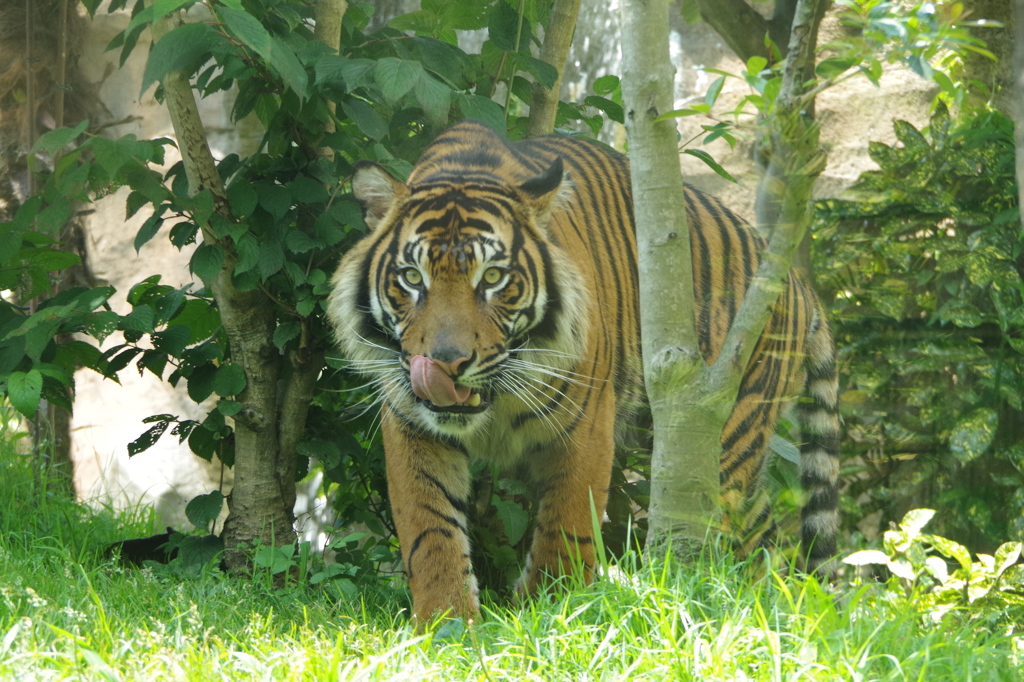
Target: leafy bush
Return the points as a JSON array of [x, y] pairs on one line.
[[924, 266], [989, 591]]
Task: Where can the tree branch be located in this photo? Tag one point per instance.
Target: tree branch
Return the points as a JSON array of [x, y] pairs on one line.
[[797, 160], [740, 26], [557, 40]]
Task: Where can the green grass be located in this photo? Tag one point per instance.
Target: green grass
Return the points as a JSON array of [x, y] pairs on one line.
[[69, 612]]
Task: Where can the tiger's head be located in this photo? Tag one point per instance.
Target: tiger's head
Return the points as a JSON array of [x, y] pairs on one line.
[[458, 296]]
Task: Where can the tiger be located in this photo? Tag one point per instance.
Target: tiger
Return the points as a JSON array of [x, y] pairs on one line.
[[493, 306]]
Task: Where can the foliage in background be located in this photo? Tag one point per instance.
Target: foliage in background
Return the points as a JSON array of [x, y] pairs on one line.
[[987, 593], [924, 266]]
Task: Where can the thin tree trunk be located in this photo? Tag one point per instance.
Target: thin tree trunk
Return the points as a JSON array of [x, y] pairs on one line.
[[259, 513], [796, 162], [557, 39], [684, 482], [690, 402], [329, 15]]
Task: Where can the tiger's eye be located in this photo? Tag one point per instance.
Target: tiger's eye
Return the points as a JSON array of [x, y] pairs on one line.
[[412, 277], [493, 275]]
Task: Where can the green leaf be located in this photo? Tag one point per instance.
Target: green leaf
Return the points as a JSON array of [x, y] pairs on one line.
[[229, 408], [365, 117], [298, 241], [49, 259], [952, 549], [710, 161], [784, 448], [285, 332], [513, 517], [275, 559], [186, 47], [200, 383], [307, 190], [503, 28], [242, 197], [342, 71], [1006, 556], [147, 439], [973, 434], [396, 77], [207, 261], [305, 307], [55, 140], [172, 340], [202, 510], [275, 198], [157, 10], [482, 109], [202, 443], [287, 65], [24, 390], [914, 520], [606, 85], [865, 557], [756, 65], [435, 98], [248, 249], [248, 29], [200, 551], [445, 60], [148, 230], [834, 66], [271, 259], [612, 109], [545, 74], [714, 91], [230, 380]]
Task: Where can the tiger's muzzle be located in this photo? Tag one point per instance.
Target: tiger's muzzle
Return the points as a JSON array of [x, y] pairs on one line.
[[433, 383]]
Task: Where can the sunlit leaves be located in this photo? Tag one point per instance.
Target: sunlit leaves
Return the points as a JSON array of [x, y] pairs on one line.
[[924, 258]]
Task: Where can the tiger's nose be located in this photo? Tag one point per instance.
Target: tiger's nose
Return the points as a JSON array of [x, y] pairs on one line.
[[451, 367]]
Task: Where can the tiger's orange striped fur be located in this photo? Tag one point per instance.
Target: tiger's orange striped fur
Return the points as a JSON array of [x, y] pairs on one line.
[[494, 304]]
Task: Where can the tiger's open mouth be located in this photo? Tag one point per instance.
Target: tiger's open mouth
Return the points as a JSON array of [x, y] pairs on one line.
[[475, 404]]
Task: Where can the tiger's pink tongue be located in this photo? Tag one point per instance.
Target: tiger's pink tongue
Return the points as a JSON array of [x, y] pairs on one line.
[[432, 383]]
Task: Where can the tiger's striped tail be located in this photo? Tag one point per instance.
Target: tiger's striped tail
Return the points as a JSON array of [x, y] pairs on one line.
[[819, 456]]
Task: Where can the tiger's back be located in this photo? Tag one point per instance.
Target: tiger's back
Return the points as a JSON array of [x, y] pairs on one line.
[[537, 366]]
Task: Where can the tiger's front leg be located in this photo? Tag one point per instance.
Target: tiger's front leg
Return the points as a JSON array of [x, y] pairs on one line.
[[429, 486], [574, 486]]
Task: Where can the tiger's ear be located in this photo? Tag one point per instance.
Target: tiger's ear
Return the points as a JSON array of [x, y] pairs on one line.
[[376, 191], [544, 192]]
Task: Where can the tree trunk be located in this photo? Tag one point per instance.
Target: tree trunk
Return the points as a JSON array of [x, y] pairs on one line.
[[690, 402], [684, 481], [557, 39], [259, 513]]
